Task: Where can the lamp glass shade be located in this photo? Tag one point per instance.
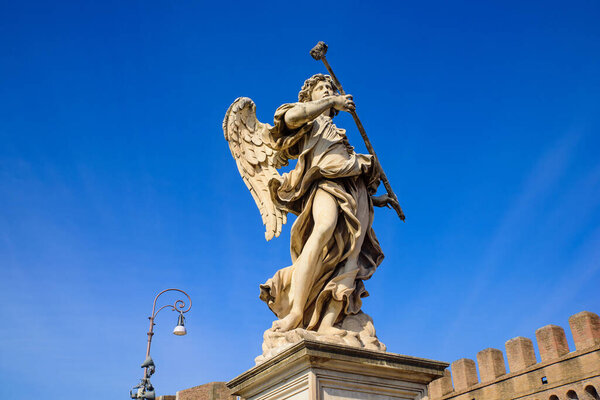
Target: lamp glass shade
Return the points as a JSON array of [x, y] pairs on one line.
[[180, 328]]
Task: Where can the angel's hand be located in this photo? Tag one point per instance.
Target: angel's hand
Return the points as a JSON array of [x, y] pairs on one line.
[[385, 200], [344, 103]]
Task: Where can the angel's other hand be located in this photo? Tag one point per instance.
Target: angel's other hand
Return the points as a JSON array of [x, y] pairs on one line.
[[385, 200], [344, 103]]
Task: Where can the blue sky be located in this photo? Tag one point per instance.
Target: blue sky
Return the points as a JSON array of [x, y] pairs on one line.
[[116, 182]]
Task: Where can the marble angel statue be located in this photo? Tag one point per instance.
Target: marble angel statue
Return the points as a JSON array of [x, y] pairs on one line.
[[331, 190]]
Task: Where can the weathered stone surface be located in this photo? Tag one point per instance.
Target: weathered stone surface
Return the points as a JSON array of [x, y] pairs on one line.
[[441, 386], [491, 364], [552, 342], [585, 327], [464, 373], [359, 332], [577, 372], [317, 370], [560, 374], [330, 189], [520, 353], [209, 391]]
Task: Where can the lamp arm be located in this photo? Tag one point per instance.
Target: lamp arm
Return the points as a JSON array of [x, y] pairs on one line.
[[179, 305], [167, 306]]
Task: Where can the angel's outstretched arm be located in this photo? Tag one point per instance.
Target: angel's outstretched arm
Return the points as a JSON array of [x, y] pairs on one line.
[[302, 113]]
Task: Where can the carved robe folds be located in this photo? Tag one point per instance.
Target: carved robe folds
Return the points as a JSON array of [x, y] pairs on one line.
[[326, 161]]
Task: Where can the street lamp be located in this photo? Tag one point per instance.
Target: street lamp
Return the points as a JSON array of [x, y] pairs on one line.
[[145, 390]]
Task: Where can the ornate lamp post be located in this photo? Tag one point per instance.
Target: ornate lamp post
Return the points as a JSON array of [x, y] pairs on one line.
[[145, 390]]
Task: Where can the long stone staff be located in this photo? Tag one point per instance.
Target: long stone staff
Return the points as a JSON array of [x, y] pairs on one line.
[[318, 53]]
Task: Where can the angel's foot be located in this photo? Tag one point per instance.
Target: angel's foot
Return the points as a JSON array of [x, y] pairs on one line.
[[332, 330], [290, 322]]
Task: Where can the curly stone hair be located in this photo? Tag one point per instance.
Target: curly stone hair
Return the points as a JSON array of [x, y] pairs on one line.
[[305, 93]]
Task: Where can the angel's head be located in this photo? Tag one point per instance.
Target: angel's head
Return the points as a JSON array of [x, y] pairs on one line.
[[322, 83]]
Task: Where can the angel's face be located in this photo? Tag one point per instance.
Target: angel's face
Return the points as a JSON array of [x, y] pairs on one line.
[[322, 90]]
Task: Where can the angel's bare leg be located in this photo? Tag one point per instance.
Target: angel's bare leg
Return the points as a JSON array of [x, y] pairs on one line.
[[325, 214], [335, 307]]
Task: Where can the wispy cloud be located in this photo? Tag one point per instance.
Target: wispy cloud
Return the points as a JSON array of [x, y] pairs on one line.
[[583, 269], [539, 184]]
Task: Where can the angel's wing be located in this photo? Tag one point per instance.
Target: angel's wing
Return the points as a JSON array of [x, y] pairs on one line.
[[256, 160]]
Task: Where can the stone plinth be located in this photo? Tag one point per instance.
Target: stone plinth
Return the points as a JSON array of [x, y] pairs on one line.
[[311, 370]]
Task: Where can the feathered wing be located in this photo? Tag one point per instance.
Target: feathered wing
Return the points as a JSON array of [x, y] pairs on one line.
[[257, 161]]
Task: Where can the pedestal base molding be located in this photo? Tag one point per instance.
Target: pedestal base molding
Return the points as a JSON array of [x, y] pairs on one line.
[[314, 370]]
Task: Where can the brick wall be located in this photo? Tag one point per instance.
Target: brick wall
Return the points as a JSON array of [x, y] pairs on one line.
[[561, 375], [209, 391]]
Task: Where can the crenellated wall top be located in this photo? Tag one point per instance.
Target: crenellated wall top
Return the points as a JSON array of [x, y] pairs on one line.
[[520, 353]]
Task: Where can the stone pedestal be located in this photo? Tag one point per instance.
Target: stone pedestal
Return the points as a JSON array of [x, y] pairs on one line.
[[311, 370]]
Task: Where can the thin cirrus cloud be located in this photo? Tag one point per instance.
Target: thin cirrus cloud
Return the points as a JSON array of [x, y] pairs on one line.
[[541, 182]]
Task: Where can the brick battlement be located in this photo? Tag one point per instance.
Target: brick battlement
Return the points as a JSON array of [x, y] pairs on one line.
[[560, 375]]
